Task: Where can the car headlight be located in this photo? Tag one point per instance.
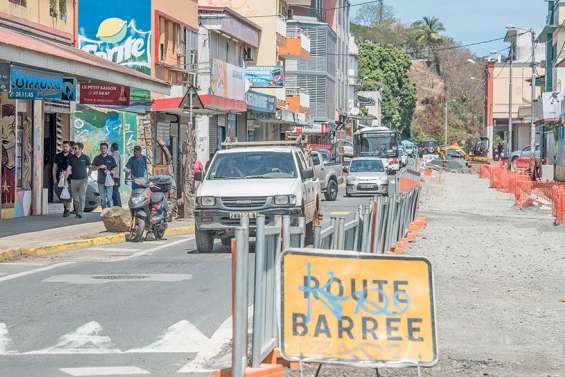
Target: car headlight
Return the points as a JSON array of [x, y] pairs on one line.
[[351, 180], [284, 200], [207, 201]]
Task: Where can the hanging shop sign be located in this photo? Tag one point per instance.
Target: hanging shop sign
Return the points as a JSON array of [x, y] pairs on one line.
[[356, 309], [259, 102], [265, 76], [29, 83], [227, 80], [119, 31], [104, 94], [4, 77]]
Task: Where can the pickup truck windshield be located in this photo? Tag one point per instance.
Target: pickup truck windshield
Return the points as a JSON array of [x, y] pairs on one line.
[[252, 165], [373, 166]]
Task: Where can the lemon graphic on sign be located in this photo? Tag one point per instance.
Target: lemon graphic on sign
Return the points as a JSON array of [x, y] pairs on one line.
[[112, 30]]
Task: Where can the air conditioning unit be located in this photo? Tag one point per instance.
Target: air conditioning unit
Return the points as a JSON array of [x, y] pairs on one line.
[[248, 54]]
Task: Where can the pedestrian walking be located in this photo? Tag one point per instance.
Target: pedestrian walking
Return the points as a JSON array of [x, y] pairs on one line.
[[137, 166], [60, 177], [117, 172], [72, 145], [105, 163], [78, 170]]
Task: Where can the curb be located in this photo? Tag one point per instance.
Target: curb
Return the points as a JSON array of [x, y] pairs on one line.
[[10, 254]]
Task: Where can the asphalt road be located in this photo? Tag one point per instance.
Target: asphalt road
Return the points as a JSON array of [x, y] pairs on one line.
[[156, 308]]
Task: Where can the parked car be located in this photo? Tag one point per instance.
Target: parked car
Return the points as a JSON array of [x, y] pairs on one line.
[[525, 152], [409, 147], [254, 180], [329, 174], [367, 176]]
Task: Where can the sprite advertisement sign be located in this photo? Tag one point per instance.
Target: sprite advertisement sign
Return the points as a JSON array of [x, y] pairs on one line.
[[117, 30]]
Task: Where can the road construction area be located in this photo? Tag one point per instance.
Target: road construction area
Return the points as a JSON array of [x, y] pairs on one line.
[[499, 284]]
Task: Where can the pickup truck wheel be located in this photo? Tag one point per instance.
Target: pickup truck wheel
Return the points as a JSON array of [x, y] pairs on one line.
[[331, 191], [204, 242]]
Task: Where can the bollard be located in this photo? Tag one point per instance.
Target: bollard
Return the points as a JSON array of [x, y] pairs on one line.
[[240, 320], [260, 287]]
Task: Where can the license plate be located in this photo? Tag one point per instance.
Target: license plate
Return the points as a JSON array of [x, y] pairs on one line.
[[368, 186], [237, 215]]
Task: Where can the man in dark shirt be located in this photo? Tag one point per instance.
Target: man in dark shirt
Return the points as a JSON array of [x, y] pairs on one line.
[[104, 163], [78, 169], [60, 165], [137, 166]]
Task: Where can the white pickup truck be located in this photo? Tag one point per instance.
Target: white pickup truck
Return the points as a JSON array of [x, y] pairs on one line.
[[253, 180], [330, 175]]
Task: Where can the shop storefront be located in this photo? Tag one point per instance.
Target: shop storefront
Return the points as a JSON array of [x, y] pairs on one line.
[[38, 96]]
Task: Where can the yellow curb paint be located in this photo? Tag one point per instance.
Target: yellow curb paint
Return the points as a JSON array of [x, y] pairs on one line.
[[10, 254]]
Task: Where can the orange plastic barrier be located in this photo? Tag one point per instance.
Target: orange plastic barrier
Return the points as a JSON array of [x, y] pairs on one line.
[[559, 203], [485, 171]]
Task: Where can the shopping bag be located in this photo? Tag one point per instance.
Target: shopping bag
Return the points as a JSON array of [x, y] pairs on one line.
[[62, 182], [65, 195], [109, 180]]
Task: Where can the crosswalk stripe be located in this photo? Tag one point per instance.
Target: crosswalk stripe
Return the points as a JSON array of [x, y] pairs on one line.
[[5, 341], [104, 371], [85, 339], [182, 337]]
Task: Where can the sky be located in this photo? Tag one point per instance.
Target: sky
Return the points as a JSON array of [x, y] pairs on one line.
[[469, 21]]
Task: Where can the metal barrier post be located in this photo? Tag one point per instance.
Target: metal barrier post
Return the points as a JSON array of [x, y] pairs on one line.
[[286, 232], [365, 229], [259, 304], [317, 236], [240, 320]]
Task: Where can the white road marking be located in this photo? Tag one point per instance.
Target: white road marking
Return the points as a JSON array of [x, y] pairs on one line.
[[22, 264], [119, 278], [104, 371], [5, 341], [148, 251], [182, 337], [85, 339], [114, 249], [34, 271], [209, 358]]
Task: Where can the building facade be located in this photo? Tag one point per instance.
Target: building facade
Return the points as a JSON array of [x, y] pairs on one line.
[[36, 46]]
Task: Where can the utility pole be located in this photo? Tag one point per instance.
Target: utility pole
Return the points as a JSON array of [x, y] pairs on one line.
[[532, 123], [509, 146], [445, 119]]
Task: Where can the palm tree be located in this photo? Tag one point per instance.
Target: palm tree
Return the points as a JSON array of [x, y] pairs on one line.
[[427, 35]]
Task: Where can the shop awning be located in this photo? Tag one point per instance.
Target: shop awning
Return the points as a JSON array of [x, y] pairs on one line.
[[27, 50], [179, 105]]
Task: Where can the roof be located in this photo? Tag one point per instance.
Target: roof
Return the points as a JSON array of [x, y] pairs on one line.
[[232, 12], [29, 50], [259, 149]]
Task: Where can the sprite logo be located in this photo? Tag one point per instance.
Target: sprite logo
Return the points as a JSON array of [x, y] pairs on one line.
[[121, 42]]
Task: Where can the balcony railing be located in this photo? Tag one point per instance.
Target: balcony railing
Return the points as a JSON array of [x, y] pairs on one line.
[[281, 26]]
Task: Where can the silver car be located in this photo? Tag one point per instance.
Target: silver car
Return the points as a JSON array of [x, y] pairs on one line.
[[366, 176]]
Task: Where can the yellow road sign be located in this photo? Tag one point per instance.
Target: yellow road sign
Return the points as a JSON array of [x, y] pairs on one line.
[[357, 309]]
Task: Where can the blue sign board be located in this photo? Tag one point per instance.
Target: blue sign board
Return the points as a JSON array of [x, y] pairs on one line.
[[117, 30], [29, 83], [265, 76], [260, 103]]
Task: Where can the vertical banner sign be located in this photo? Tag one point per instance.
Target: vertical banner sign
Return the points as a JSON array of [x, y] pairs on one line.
[[355, 309], [4, 77], [117, 30]]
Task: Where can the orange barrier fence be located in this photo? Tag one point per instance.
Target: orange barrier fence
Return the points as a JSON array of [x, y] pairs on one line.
[[526, 192], [407, 184]]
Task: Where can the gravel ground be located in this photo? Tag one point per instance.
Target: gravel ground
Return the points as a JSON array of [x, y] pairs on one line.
[[499, 284]]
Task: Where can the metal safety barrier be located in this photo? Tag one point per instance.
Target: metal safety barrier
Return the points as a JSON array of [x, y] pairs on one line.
[[373, 228]]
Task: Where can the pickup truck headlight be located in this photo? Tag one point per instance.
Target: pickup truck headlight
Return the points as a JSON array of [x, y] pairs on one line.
[[284, 200], [207, 201]]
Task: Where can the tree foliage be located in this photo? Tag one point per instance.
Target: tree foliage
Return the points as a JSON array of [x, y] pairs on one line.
[[427, 34], [386, 69]]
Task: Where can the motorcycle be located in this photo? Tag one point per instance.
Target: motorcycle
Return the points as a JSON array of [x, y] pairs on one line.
[[149, 207]]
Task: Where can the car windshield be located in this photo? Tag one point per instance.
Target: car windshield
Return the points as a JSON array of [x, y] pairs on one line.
[[378, 145], [373, 166], [249, 165], [325, 154]]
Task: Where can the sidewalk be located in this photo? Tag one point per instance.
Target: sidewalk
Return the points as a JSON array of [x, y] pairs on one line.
[[43, 235]]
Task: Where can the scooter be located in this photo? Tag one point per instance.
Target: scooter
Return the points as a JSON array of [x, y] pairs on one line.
[[149, 207]]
